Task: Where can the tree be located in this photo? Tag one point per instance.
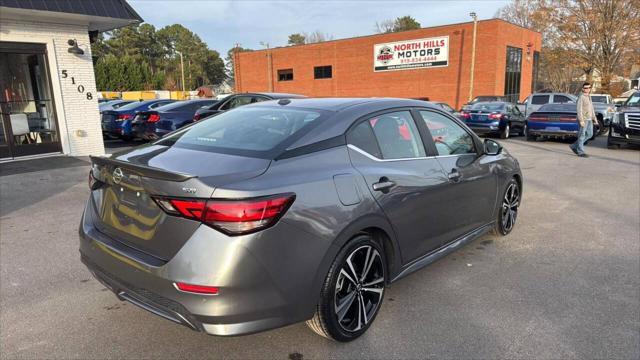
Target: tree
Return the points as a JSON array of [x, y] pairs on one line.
[[405, 23], [317, 37], [601, 32], [593, 35], [402, 23], [296, 39], [385, 26], [147, 59]]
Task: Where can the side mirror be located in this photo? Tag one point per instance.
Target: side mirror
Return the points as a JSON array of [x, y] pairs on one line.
[[492, 147]]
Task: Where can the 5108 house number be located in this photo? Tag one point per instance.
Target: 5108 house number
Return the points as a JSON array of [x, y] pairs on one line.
[[80, 87]]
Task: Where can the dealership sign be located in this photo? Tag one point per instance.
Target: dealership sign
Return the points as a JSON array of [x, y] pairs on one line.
[[411, 54]]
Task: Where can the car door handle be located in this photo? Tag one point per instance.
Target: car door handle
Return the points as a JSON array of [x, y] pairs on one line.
[[383, 185], [454, 175]]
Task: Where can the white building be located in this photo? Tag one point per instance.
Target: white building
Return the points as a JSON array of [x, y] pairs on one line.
[[48, 93]]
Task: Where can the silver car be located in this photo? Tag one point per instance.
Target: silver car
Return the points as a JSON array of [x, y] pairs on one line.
[[292, 210]]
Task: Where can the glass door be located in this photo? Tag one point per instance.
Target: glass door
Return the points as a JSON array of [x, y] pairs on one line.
[[29, 125]]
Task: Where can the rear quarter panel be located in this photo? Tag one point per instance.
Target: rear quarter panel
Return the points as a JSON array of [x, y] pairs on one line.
[[301, 260]]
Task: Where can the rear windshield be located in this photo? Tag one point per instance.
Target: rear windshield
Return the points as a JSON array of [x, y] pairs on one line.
[[245, 130], [599, 99], [185, 105], [490, 106], [558, 108], [133, 105], [484, 98]]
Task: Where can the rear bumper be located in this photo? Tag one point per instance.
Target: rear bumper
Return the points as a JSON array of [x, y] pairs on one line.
[[552, 129], [252, 297], [485, 128]]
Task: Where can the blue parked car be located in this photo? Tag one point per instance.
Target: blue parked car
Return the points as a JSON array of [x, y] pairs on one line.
[[554, 121], [154, 124], [495, 117], [117, 123]]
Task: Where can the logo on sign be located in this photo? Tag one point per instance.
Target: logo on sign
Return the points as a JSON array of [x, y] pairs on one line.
[[385, 55]]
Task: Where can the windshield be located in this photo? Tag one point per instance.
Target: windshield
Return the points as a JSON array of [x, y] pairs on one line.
[[599, 99], [488, 106], [253, 129], [634, 100]]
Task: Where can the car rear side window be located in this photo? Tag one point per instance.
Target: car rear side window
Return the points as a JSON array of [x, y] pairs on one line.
[[363, 138], [561, 99], [257, 129], [236, 102], [397, 135], [540, 99], [449, 137]]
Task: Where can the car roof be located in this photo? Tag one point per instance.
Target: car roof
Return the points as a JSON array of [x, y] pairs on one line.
[[339, 104], [492, 103], [274, 95], [345, 112]]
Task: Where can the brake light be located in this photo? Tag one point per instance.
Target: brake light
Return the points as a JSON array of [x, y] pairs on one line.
[[196, 289], [495, 116], [123, 117], [466, 115], [196, 117], [232, 217], [153, 118]]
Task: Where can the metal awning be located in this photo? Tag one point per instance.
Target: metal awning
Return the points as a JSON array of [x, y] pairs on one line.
[[98, 15]]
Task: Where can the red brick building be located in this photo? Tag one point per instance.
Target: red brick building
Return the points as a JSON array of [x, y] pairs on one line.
[[431, 63]]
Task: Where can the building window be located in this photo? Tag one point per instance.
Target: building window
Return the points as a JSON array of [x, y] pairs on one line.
[[535, 72], [285, 75], [322, 72], [512, 74]]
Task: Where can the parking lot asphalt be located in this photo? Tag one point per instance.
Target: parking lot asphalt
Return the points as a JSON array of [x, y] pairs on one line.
[[564, 284]]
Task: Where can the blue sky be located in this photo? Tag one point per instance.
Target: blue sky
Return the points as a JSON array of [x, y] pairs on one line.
[[221, 24]]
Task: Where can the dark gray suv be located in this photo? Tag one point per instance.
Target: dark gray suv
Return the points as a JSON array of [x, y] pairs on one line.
[[292, 210]]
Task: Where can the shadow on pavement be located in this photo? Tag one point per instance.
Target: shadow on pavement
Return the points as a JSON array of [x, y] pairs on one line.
[[599, 142], [28, 182], [44, 164]]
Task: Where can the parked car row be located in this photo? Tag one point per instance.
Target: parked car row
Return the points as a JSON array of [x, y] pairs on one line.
[[152, 119]]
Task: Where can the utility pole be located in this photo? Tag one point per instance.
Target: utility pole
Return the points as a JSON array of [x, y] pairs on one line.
[[269, 67], [182, 70], [473, 53]]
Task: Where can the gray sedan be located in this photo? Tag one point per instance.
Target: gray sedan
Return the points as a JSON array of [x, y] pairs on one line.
[[292, 210]]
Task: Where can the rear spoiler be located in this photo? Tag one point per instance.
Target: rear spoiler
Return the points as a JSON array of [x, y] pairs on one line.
[[142, 170]]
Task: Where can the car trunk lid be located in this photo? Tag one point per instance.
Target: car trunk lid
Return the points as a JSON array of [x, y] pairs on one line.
[[125, 202]]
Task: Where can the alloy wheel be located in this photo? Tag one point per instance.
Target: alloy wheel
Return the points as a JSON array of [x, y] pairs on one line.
[[359, 288], [510, 204]]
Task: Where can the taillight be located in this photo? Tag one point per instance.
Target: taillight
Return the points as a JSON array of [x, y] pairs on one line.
[[466, 115], [123, 117], [495, 116], [153, 118], [232, 217], [196, 289], [196, 117]]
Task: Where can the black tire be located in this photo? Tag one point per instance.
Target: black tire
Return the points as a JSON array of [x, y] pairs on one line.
[[523, 130], [508, 211], [603, 128], [338, 286], [505, 132]]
